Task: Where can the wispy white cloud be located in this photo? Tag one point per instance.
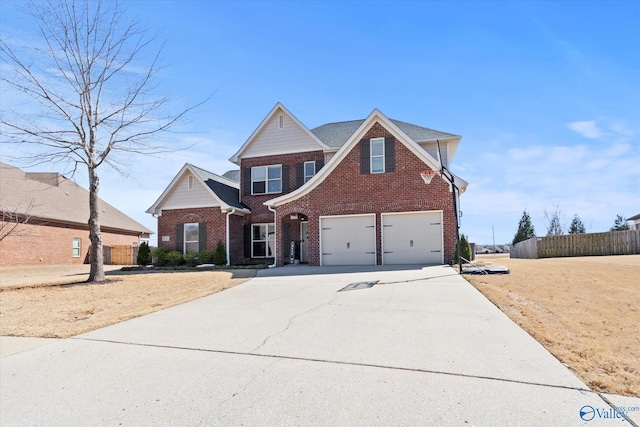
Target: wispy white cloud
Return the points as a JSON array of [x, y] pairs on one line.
[[588, 129]]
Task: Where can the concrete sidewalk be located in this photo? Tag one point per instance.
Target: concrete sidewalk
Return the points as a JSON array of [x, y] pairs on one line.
[[420, 347]]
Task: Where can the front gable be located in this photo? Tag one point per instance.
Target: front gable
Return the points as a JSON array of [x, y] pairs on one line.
[[279, 133], [189, 190], [359, 141]]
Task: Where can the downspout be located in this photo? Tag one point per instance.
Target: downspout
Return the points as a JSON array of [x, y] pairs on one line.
[[275, 238], [231, 212]]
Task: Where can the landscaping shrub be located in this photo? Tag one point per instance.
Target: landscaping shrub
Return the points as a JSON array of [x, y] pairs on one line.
[[220, 254], [159, 256], [191, 259], [206, 257], [144, 254], [175, 258], [465, 249]]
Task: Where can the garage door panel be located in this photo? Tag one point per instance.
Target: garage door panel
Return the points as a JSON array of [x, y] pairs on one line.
[[348, 240], [412, 238]]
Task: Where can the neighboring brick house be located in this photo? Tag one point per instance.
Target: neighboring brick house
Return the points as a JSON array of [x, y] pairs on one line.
[[339, 194], [45, 220]]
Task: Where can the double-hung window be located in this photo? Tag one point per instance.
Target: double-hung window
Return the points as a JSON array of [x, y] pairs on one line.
[[377, 155], [263, 239], [191, 234], [266, 179], [76, 248], [309, 170]]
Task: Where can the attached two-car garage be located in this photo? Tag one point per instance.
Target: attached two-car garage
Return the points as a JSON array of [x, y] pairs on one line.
[[407, 238]]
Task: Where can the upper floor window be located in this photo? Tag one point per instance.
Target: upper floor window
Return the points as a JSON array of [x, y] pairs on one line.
[[266, 179], [377, 155], [309, 170], [190, 182], [281, 121]]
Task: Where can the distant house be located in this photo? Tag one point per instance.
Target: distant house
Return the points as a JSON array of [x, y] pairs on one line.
[[636, 222], [53, 213], [348, 193]]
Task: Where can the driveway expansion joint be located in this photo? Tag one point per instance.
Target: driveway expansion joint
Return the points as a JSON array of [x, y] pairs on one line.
[[359, 364]]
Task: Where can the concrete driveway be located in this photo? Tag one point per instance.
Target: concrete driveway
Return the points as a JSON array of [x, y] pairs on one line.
[[420, 347]]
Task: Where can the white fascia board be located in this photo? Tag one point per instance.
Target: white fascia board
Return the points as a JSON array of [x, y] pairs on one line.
[[236, 157], [154, 209], [375, 115]]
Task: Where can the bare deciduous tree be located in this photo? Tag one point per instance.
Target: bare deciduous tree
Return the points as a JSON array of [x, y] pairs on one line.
[[555, 220], [87, 94], [12, 219]]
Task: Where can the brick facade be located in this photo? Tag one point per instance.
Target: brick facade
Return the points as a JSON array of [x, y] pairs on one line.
[[347, 191], [214, 218], [46, 243]]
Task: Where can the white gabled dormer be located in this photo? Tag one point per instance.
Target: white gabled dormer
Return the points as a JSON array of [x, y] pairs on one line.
[[193, 187], [279, 133]]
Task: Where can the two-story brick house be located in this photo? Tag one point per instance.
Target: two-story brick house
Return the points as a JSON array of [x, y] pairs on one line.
[[347, 193]]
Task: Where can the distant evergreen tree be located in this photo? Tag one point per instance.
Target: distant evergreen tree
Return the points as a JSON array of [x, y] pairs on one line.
[[576, 227], [525, 229], [620, 224], [144, 254]]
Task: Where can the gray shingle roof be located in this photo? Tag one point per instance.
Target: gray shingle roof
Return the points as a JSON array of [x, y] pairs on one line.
[[233, 175], [336, 134], [53, 197]]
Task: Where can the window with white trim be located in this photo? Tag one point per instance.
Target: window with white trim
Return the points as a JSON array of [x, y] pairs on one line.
[[263, 240], [76, 247], [377, 155], [309, 170], [281, 121], [266, 179], [190, 182], [191, 235]]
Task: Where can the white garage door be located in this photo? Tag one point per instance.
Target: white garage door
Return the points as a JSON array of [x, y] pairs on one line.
[[348, 240], [412, 238]]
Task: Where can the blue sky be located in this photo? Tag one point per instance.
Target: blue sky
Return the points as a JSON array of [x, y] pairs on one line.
[[546, 95]]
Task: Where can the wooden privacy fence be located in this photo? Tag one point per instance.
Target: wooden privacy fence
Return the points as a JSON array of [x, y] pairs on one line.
[[117, 255], [610, 243]]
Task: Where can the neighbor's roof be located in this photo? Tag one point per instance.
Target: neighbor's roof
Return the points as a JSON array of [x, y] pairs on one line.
[[633, 218], [336, 134], [51, 196], [233, 175]]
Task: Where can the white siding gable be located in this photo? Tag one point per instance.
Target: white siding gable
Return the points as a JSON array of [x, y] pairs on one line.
[[432, 148], [181, 197], [272, 139]]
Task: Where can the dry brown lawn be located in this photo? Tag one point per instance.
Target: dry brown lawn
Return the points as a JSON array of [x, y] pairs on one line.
[[62, 311], [583, 310]]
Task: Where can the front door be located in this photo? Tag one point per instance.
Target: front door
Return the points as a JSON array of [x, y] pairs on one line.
[[304, 238]]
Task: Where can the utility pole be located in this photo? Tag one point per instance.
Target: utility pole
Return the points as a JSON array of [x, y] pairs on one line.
[[494, 240]]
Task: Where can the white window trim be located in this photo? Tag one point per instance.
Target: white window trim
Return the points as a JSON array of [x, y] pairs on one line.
[[267, 224], [308, 177], [184, 236], [266, 179], [371, 156], [281, 121], [190, 182], [73, 247]]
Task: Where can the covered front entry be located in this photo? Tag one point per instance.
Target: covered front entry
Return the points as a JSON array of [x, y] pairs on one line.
[[412, 238], [348, 240]]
